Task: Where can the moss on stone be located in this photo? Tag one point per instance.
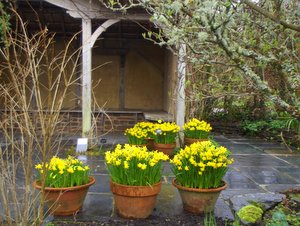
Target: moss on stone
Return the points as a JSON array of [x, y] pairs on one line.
[[250, 213]]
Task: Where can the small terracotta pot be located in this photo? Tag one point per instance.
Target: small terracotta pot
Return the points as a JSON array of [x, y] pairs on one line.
[[167, 149], [189, 141], [135, 202], [65, 201], [197, 200]]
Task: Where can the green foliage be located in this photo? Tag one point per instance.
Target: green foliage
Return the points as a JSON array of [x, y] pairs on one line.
[[253, 127], [283, 124], [250, 213], [50, 224], [286, 213], [209, 219], [236, 221], [94, 151], [4, 22], [257, 204], [274, 126], [278, 219]]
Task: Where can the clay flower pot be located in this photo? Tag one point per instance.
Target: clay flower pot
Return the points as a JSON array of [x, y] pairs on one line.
[[167, 149], [135, 202], [189, 141], [197, 200], [65, 201]]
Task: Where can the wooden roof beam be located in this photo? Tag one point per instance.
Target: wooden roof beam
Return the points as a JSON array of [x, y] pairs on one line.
[[88, 9], [80, 5], [108, 14]]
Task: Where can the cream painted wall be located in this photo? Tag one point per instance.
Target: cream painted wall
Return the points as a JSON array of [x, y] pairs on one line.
[[49, 70], [149, 77], [143, 83], [106, 80], [143, 76]]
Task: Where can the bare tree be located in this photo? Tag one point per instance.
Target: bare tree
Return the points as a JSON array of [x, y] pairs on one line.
[[35, 81]]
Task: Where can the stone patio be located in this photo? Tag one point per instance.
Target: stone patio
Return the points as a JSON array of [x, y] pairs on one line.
[[260, 167]]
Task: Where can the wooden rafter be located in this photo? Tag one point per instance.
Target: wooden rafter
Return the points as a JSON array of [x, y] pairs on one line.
[[94, 10]]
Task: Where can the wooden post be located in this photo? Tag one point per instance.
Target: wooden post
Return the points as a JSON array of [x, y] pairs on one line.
[[88, 40], [86, 77], [180, 103]]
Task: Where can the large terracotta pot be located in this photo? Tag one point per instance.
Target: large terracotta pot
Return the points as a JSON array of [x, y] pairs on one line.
[[189, 141], [197, 200], [65, 201], [135, 202], [167, 149]]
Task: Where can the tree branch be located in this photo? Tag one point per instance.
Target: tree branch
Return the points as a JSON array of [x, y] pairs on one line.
[[270, 16]]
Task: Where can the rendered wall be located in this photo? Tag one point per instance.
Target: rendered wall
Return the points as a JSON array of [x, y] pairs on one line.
[[143, 75], [106, 80], [48, 71], [148, 78], [71, 73]]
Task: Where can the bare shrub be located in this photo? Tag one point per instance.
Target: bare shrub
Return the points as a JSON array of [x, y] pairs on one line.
[[34, 83]]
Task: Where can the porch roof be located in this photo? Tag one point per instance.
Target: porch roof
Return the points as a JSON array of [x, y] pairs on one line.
[[55, 18]]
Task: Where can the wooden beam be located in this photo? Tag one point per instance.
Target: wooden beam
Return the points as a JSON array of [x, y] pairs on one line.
[[77, 5], [88, 40], [180, 103], [102, 28], [108, 14], [86, 77], [92, 9]]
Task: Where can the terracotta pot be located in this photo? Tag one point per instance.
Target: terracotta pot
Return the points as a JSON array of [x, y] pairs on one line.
[[65, 201], [189, 141], [135, 202], [167, 149], [197, 200], [150, 143]]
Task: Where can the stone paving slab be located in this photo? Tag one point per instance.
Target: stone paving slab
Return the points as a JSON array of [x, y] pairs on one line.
[[258, 160], [281, 151], [291, 172], [236, 180], [243, 149], [292, 160], [267, 175], [101, 185], [229, 192]]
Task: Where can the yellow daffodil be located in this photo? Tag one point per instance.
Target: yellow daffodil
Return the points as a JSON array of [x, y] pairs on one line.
[[134, 165], [204, 158], [197, 129], [61, 168]]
